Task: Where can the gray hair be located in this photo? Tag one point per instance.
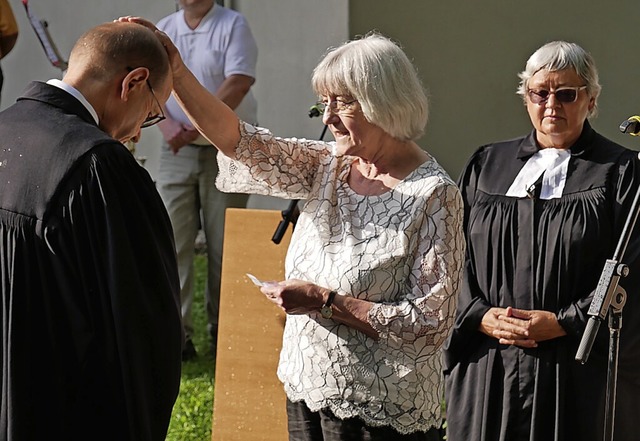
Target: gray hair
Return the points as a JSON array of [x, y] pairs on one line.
[[560, 55], [379, 75]]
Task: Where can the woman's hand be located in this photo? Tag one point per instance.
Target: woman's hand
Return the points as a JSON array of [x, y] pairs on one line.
[[540, 325], [175, 60], [295, 296], [514, 332], [299, 297], [519, 327]]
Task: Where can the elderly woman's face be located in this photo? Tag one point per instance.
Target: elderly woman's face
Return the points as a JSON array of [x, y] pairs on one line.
[[558, 120], [347, 123]]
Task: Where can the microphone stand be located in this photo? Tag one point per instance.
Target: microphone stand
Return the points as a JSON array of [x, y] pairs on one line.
[[610, 299], [291, 213]]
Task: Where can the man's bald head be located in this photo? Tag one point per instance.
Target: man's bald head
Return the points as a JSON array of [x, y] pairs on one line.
[[111, 48]]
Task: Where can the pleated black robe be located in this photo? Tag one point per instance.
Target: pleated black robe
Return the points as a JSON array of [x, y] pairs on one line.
[[91, 333], [547, 255]]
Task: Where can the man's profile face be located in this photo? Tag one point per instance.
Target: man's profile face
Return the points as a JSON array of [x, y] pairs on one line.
[[141, 106]]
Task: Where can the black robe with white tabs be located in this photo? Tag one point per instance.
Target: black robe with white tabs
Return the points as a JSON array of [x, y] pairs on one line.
[[548, 255], [91, 333]]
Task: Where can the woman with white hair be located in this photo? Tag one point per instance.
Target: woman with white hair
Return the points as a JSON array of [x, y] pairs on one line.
[[375, 260], [542, 214]]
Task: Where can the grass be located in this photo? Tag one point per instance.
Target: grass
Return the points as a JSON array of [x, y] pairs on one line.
[[192, 412]]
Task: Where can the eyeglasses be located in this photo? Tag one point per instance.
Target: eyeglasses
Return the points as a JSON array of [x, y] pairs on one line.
[[155, 119], [563, 94], [336, 106]]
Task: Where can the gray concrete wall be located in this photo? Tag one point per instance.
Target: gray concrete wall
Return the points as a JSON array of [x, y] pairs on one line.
[[469, 53]]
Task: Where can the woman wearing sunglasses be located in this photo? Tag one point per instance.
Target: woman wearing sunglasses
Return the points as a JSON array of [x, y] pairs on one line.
[[542, 214]]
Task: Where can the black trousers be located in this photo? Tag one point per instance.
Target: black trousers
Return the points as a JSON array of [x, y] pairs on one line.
[[305, 425]]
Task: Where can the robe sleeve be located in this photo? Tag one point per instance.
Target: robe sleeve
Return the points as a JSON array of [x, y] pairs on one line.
[[472, 304]]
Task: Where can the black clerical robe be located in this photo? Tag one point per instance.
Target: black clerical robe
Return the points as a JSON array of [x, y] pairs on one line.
[[548, 255], [91, 333]]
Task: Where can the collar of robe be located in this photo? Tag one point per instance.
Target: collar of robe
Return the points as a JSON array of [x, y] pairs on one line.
[[549, 163], [552, 165]]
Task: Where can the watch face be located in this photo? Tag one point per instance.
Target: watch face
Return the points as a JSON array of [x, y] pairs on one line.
[[326, 311]]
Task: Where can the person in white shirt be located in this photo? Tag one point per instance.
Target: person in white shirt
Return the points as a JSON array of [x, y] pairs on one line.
[[218, 47]]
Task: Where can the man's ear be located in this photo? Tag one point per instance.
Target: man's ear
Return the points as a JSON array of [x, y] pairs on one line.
[[135, 80]]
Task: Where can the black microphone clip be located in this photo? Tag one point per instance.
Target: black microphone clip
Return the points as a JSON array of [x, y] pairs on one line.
[[314, 111], [631, 126]]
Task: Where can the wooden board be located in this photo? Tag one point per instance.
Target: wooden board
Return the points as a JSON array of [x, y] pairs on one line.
[[249, 400]]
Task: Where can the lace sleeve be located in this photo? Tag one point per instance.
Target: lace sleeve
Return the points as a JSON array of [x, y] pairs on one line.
[[428, 310], [269, 165]]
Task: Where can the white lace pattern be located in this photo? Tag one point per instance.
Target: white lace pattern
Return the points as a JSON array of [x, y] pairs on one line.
[[402, 250]]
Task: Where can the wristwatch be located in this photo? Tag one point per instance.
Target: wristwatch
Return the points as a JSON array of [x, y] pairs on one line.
[[326, 311]]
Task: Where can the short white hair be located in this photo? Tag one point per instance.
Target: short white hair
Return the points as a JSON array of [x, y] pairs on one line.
[[560, 55], [378, 74]]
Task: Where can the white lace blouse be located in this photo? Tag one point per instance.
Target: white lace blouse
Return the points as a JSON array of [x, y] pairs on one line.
[[402, 250]]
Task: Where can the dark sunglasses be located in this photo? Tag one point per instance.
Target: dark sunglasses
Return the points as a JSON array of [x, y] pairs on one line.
[[563, 94]]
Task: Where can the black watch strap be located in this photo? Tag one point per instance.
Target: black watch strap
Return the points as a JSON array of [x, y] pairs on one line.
[[326, 311]]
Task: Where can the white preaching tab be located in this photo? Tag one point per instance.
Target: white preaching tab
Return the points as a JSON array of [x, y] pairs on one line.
[[552, 164]]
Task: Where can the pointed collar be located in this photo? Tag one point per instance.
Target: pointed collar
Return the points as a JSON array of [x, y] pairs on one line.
[[77, 95], [57, 97]]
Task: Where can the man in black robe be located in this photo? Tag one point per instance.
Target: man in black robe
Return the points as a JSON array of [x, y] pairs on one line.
[[91, 333]]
